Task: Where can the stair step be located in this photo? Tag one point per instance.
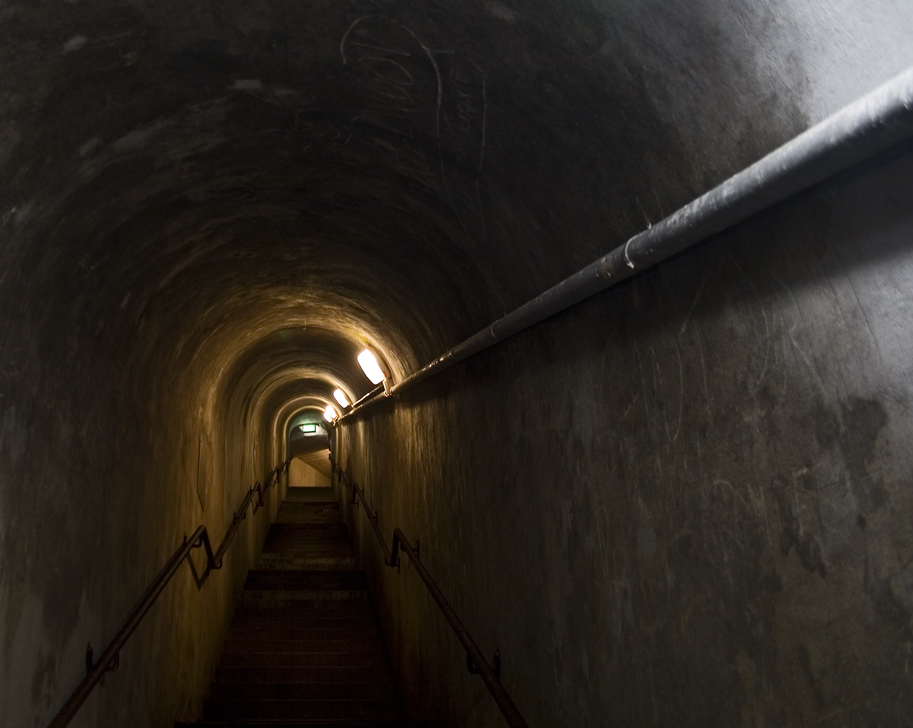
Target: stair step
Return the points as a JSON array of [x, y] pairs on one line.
[[310, 495], [288, 552], [277, 598], [291, 530], [356, 630], [324, 613], [324, 561], [290, 505], [317, 534], [348, 675], [307, 580], [351, 627], [309, 509], [328, 518], [302, 659], [313, 564], [295, 709], [324, 555], [300, 722], [309, 545], [266, 575], [347, 621], [342, 555], [304, 691], [333, 541], [305, 515], [348, 645]]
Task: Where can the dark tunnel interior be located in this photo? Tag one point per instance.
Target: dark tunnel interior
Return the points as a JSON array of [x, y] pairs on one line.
[[686, 501]]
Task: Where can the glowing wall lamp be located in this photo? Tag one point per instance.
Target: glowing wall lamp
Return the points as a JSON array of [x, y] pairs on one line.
[[330, 413], [375, 368], [341, 398]]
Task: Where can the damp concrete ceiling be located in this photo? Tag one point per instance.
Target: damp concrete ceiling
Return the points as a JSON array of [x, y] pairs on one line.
[[241, 195]]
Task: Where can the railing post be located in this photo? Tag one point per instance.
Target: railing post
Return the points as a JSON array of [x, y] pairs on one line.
[[393, 561]]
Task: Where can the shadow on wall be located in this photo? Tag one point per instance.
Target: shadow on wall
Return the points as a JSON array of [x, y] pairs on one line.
[[304, 475]]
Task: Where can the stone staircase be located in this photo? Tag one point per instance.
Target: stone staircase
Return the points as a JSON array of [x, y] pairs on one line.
[[304, 647]]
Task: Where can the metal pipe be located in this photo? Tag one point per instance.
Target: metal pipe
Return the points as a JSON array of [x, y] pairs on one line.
[[374, 392], [869, 126]]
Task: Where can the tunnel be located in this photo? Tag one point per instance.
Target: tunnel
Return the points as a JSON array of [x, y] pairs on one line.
[[681, 498]]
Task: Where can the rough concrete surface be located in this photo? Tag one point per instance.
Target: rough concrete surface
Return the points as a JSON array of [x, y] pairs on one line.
[[683, 502], [696, 509]]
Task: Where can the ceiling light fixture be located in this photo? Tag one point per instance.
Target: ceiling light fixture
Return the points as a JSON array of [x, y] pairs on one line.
[[341, 398], [330, 413], [370, 365]]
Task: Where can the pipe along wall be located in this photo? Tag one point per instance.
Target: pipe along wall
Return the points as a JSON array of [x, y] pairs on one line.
[[683, 502]]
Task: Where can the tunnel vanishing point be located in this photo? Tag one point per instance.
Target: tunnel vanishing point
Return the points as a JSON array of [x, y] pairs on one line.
[[673, 487]]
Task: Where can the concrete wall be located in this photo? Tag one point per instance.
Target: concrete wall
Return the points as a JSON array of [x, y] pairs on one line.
[[104, 471], [684, 503]]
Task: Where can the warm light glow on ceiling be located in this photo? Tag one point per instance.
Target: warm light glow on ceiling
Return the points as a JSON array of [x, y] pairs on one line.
[[341, 398], [370, 367], [330, 413]]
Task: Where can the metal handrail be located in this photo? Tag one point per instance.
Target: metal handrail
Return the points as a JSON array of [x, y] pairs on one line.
[[110, 657], [475, 660], [360, 493]]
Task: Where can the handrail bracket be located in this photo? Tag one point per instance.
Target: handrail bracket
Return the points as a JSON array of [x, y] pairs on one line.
[[495, 665]]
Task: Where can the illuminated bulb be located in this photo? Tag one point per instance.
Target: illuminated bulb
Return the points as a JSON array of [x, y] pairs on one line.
[[330, 413], [370, 367], [341, 398]]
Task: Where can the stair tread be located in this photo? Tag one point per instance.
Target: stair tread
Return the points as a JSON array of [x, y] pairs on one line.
[[302, 574], [296, 709], [350, 675], [301, 659], [316, 723], [356, 626], [306, 579], [308, 645], [303, 691], [304, 615]]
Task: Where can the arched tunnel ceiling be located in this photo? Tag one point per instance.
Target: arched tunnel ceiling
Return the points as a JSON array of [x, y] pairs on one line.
[[294, 362], [247, 193]]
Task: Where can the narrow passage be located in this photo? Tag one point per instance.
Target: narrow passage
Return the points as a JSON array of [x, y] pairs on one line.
[[304, 647]]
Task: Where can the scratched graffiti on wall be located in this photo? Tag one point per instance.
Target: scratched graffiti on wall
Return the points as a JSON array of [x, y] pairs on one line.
[[462, 138], [425, 111]]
